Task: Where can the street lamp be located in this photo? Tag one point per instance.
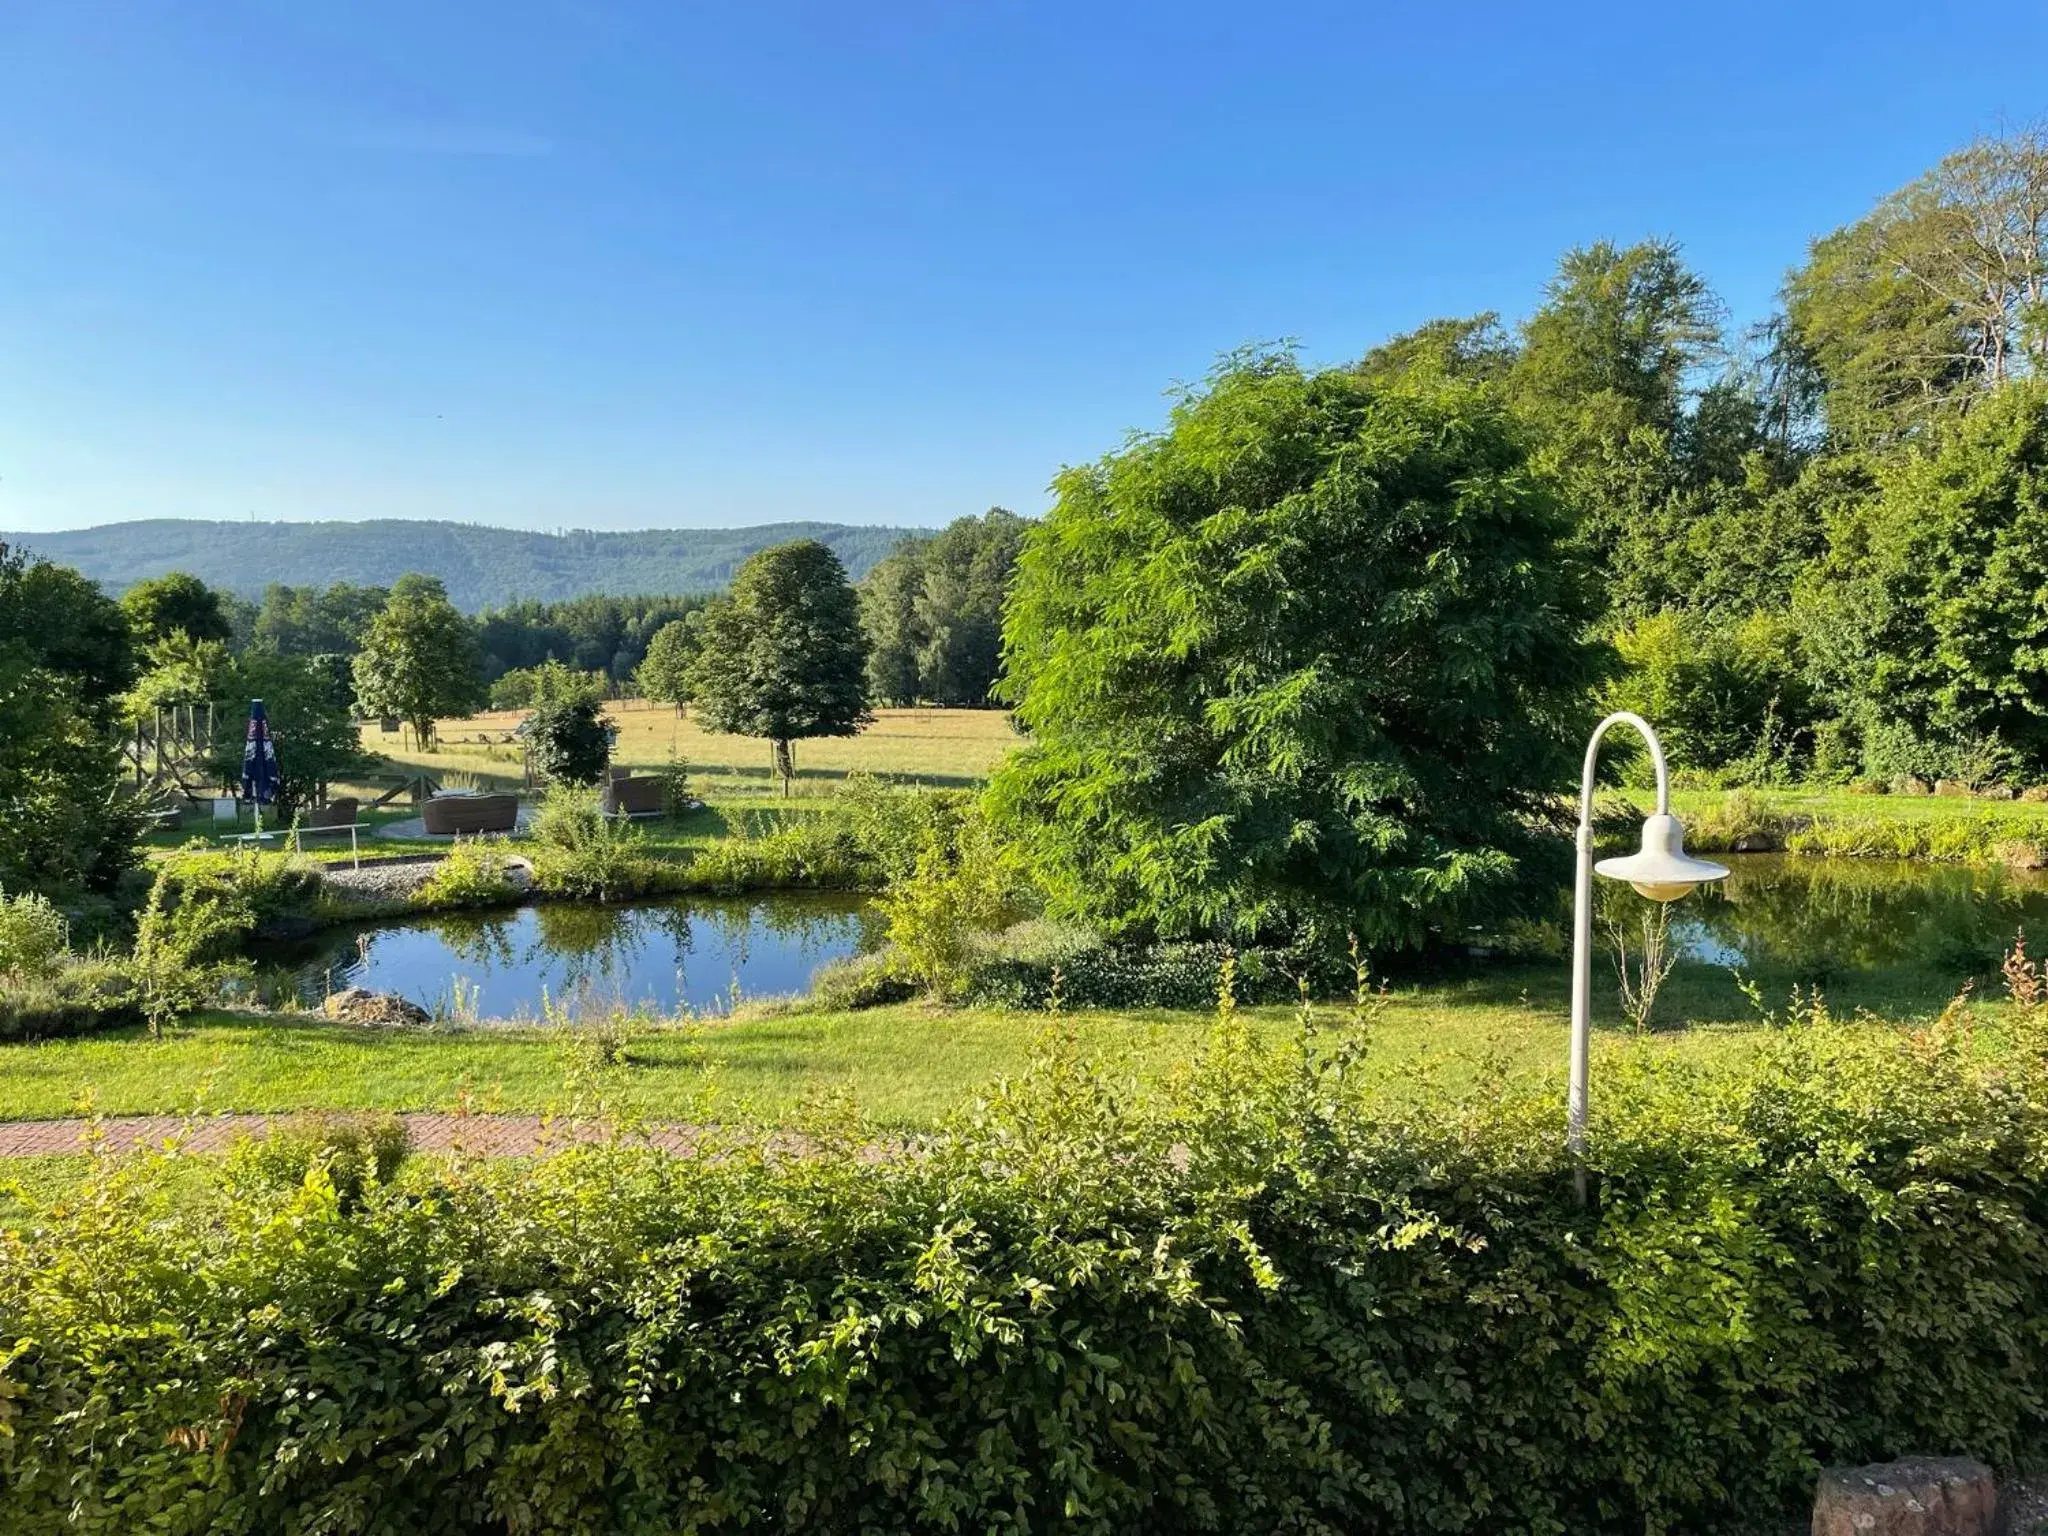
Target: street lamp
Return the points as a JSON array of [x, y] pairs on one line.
[[1662, 871]]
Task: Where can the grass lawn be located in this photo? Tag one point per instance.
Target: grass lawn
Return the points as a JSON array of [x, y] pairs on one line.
[[953, 748], [1842, 804], [724, 817], [903, 1066]]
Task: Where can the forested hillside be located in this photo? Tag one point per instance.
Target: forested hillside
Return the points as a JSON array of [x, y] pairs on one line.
[[481, 567]]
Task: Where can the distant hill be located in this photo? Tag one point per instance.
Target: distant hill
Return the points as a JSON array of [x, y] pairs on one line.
[[483, 567]]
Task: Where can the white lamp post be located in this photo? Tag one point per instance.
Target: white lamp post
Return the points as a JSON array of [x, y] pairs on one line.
[[1662, 871]]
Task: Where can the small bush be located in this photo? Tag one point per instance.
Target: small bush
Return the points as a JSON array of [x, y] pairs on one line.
[[472, 875], [569, 817], [676, 798], [860, 981], [356, 1149], [810, 852], [34, 936], [580, 854], [87, 994]]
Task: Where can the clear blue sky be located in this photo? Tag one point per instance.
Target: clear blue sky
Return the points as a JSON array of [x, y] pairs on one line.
[[665, 264]]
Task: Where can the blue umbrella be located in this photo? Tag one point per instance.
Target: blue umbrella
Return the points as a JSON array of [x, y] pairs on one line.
[[259, 762]]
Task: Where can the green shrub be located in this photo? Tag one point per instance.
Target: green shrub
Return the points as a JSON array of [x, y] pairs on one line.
[[811, 852], [472, 875], [1021, 968], [1274, 1298], [34, 936], [568, 816], [202, 908], [580, 854], [356, 1150], [85, 995], [860, 981], [568, 741], [676, 798]]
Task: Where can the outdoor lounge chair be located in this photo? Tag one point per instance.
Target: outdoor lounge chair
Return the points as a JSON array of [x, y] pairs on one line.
[[628, 796], [468, 815]]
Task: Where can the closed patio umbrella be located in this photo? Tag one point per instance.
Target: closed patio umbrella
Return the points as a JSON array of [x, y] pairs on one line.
[[259, 762]]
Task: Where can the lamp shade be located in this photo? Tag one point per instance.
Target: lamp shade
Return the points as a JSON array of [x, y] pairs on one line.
[[1663, 870]]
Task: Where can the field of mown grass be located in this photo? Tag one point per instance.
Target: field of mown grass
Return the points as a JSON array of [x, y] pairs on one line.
[[954, 748]]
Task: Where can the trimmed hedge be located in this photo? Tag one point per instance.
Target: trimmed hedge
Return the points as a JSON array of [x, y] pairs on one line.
[[1283, 1296]]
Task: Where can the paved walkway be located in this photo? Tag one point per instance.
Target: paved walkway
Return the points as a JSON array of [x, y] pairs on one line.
[[493, 1135]]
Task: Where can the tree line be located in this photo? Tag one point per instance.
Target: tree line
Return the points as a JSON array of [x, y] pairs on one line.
[[1320, 653]]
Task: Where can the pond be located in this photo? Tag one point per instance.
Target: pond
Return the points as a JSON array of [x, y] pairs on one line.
[[670, 955], [1821, 918]]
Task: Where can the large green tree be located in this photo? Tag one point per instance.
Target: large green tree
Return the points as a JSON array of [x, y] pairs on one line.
[[176, 603], [667, 675], [419, 659], [64, 659], [784, 656], [896, 636], [315, 621], [933, 610], [1926, 619], [1935, 298], [1313, 656]]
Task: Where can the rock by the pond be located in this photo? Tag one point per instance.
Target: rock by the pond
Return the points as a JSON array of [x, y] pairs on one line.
[[1952, 789], [359, 1005], [2034, 794], [1906, 784], [1997, 792], [1920, 1496]]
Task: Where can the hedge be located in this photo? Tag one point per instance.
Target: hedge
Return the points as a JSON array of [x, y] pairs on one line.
[[1293, 1293]]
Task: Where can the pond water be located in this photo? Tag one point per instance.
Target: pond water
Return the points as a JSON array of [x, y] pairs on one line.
[[1832, 917], [672, 954]]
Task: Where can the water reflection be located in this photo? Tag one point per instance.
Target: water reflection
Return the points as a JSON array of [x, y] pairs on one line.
[[667, 954], [1821, 918]]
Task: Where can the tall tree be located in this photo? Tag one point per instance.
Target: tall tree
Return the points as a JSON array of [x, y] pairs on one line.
[[1474, 348], [784, 656], [1312, 657], [896, 635], [419, 659], [967, 571], [1937, 296], [1925, 618], [64, 657], [666, 674], [314, 621], [176, 604], [1620, 333]]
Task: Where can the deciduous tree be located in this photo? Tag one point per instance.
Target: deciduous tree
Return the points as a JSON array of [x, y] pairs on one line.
[[1313, 656], [419, 659], [784, 656]]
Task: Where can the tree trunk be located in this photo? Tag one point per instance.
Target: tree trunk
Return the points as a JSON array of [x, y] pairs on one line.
[[785, 762]]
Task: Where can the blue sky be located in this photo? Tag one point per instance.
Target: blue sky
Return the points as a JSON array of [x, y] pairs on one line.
[[624, 265]]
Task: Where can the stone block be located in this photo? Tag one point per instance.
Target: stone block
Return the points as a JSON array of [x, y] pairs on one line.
[[1920, 1496]]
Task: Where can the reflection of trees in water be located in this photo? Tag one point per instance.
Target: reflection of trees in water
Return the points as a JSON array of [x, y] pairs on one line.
[[1822, 917], [482, 942], [623, 952], [585, 946]]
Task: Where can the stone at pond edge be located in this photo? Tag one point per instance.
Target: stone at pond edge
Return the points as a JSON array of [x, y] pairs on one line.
[[359, 1005], [1920, 1496], [1952, 789], [1906, 784], [2034, 794]]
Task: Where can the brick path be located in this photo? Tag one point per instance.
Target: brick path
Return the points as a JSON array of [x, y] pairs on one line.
[[495, 1135]]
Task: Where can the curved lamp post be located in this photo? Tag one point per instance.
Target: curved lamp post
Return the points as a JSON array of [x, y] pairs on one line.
[[1662, 871]]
